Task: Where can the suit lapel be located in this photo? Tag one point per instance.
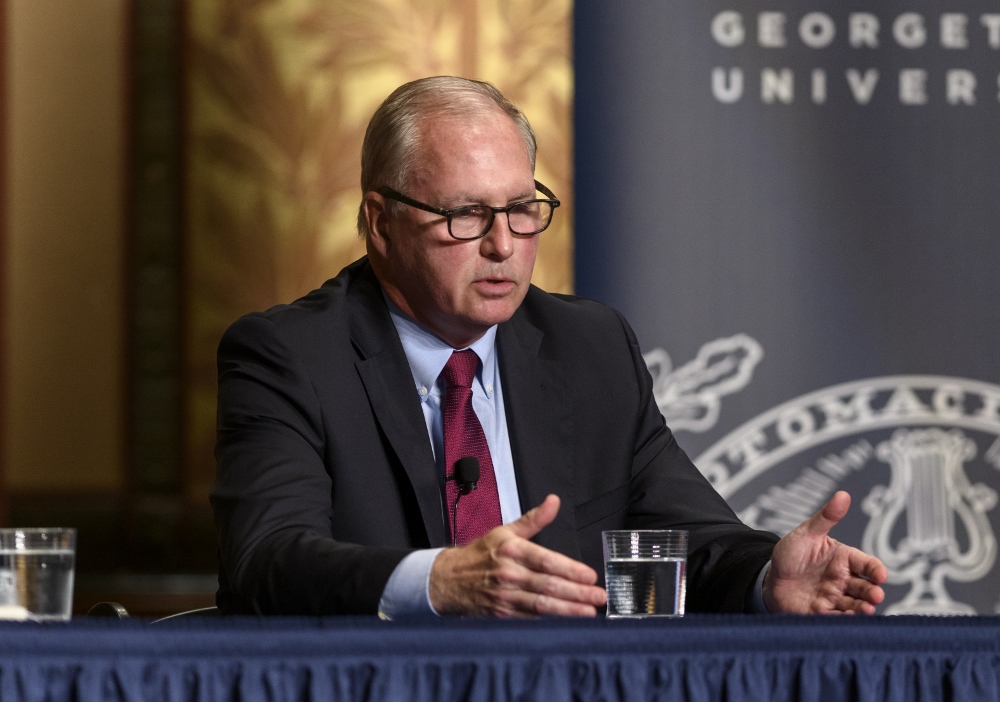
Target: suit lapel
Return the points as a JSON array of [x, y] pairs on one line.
[[385, 373], [540, 423]]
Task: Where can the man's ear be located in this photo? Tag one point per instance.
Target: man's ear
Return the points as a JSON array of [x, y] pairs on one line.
[[378, 222]]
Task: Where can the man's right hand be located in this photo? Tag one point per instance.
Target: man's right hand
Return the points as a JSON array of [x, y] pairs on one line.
[[504, 574]]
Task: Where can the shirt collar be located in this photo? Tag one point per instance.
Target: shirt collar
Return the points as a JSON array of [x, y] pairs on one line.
[[427, 353]]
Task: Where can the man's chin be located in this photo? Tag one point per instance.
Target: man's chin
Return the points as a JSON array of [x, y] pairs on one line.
[[485, 315], [486, 320], [469, 321], [489, 310]]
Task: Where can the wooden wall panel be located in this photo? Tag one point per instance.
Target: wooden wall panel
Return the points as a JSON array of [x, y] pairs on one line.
[[64, 141], [62, 287]]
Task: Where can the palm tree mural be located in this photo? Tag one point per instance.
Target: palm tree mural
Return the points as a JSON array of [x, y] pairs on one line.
[[279, 93]]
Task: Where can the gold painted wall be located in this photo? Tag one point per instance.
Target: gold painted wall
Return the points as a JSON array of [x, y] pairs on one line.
[[280, 93], [64, 222]]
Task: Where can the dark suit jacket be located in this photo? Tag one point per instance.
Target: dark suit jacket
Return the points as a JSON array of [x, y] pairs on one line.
[[326, 478]]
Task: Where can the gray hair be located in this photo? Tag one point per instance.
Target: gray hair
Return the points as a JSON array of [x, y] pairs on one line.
[[389, 149]]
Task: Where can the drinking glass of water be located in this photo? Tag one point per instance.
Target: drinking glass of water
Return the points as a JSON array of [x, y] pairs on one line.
[[644, 572], [36, 573]]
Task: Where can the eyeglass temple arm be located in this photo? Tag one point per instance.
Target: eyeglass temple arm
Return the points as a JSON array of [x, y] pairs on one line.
[[389, 192], [548, 193]]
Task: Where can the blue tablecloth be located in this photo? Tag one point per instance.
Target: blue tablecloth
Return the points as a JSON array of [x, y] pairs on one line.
[[697, 658]]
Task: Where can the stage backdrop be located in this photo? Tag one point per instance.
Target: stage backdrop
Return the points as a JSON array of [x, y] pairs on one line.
[[796, 205]]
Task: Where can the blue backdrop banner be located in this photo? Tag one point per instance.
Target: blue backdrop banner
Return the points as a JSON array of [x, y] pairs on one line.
[[796, 205]]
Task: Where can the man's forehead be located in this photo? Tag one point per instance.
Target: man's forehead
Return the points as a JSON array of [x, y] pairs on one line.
[[450, 123], [455, 139]]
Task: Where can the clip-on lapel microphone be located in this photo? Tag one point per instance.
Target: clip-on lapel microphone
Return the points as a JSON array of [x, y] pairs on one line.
[[466, 476]]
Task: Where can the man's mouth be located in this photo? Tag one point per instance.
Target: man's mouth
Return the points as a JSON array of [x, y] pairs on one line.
[[495, 285]]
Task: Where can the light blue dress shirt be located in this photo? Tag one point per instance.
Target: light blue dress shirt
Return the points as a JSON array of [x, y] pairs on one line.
[[406, 592]]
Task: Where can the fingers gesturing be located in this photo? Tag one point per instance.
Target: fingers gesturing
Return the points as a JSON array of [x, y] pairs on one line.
[[504, 574]]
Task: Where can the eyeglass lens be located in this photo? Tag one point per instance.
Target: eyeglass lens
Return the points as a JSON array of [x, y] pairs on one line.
[[522, 218]]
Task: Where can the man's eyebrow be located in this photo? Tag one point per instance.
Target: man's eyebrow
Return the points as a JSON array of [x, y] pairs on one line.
[[466, 200]]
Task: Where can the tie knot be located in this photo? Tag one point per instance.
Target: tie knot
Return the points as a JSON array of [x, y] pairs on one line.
[[460, 369]]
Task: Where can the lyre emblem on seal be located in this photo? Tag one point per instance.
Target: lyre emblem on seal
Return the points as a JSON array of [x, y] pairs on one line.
[[928, 482]]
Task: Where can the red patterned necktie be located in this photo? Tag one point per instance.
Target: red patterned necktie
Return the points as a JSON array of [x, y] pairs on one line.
[[478, 510]]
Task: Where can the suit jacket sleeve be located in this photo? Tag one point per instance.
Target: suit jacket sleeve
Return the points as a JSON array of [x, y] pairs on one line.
[[668, 491], [272, 497]]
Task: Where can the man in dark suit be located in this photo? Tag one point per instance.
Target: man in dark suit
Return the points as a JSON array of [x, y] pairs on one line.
[[341, 416]]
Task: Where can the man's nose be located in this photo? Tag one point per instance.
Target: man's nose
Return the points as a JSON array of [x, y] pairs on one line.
[[498, 244]]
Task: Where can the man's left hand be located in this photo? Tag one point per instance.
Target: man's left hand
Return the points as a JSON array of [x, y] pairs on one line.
[[811, 573]]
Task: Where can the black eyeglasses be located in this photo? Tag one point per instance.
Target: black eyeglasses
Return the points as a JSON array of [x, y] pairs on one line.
[[524, 218]]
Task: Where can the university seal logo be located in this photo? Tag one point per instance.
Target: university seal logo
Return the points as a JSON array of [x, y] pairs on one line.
[[920, 456]]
